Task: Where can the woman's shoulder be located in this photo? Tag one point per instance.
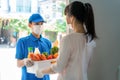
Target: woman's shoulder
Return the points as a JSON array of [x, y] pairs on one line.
[[74, 35], [68, 37], [70, 34]]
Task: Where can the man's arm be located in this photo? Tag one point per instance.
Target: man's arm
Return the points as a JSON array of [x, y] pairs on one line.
[[25, 62], [20, 63]]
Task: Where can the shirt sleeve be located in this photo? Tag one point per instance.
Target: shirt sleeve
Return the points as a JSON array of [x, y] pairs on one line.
[[64, 54], [19, 50]]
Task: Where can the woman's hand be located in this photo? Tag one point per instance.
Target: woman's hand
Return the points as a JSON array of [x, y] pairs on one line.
[[39, 74]]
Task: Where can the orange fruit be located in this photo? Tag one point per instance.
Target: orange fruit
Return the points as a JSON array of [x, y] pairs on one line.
[[37, 56], [50, 57], [43, 57], [55, 55]]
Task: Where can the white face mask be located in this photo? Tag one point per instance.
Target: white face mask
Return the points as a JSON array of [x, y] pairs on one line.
[[37, 29]]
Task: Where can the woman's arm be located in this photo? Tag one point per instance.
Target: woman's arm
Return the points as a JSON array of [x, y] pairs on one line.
[[62, 60], [48, 71]]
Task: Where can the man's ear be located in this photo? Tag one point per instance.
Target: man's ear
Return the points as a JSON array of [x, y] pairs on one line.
[[29, 25]]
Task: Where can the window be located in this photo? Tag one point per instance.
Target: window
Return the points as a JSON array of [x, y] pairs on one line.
[[23, 6], [0, 3]]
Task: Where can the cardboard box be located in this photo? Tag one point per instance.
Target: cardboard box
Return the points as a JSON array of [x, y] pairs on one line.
[[40, 65]]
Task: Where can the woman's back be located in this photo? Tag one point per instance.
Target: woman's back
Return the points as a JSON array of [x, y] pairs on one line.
[[78, 57], [75, 51]]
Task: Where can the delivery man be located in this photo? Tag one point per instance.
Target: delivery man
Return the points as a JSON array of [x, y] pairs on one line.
[[35, 39]]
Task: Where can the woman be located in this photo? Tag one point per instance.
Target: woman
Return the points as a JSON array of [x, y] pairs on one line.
[[75, 48]]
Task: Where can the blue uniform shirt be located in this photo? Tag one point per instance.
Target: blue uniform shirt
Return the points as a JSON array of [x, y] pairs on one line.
[[43, 44]]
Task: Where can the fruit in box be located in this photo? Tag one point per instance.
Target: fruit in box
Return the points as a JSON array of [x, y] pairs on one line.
[[39, 56], [50, 57], [54, 50], [43, 57], [36, 56], [42, 60], [55, 55]]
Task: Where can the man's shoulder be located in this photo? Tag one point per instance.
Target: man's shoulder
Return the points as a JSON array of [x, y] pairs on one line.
[[24, 38]]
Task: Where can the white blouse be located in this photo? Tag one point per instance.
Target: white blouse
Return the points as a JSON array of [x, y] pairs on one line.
[[74, 57]]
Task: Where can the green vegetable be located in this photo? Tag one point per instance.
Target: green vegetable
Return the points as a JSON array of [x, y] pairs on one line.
[[45, 53], [54, 50]]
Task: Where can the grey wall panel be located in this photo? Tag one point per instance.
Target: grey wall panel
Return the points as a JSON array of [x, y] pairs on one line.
[[106, 58]]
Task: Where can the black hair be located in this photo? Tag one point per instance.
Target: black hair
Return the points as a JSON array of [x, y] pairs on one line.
[[83, 13], [66, 9]]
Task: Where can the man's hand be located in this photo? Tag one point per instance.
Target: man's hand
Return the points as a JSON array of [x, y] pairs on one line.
[[28, 62]]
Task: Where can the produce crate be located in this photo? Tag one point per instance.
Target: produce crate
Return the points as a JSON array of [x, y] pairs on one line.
[[40, 65]]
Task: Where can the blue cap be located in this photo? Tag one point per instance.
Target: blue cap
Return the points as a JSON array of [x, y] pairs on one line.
[[36, 18]]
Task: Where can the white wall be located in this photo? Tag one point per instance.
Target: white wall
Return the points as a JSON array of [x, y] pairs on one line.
[[106, 58], [34, 6], [13, 5], [3, 5]]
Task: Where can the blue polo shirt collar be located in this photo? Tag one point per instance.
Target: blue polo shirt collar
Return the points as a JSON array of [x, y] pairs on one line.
[[34, 38]]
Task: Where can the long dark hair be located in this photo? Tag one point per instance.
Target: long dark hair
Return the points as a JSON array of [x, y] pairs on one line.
[[83, 13]]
